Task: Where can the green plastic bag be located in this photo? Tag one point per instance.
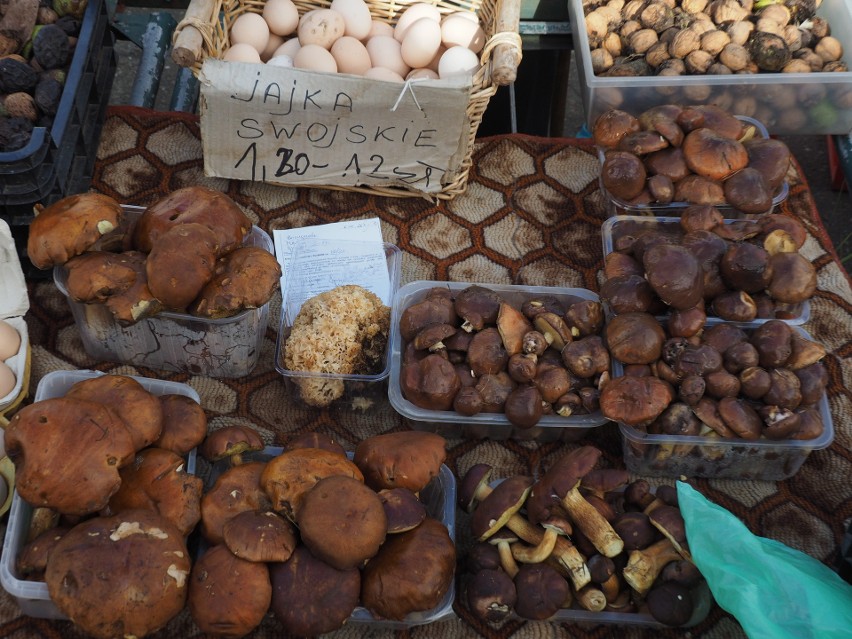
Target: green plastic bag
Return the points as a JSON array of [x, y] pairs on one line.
[[773, 590]]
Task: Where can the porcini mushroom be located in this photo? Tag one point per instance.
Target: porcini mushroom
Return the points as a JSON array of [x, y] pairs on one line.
[[541, 590], [184, 423], [259, 535], [406, 459], [230, 442], [491, 595], [237, 489]]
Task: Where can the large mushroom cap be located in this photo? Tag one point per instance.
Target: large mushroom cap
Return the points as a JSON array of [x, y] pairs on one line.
[[139, 409], [95, 276], [125, 575], [71, 226], [228, 596], [541, 591], [411, 572], [157, 480], [244, 278], [342, 521], [406, 459], [60, 444], [230, 441], [237, 489], [181, 263], [290, 475], [309, 597], [259, 535], [184, 423], [494, 511]]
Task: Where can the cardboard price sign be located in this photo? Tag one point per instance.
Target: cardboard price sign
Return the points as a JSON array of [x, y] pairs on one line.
[[301, 128]]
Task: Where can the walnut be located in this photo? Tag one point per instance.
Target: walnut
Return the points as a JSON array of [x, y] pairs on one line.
[[684, 42], [642, 40], [829, 49], [21, 105], [698, 61], [657, 54], [714, 41], [694, 6], [739, 32], [601, 60], [734, 56], [723, 11]]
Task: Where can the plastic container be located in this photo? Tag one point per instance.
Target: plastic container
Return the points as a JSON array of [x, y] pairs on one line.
[[821, 101], [360, 391], [613, 227], [716, 457], [32, 596], [439, 496], [227, 347], [484, 425], [58, 159], [14, 304], [617, 206]]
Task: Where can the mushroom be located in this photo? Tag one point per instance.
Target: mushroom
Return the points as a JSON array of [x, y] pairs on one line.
[[622, 172], [486, 353], [612, 125], [228, 596], [505, 541], [236, 490], [746, 267], [309, 597], [230, 442], [793, 278], [635, 530], [342, 521], [430, 383], [136, 302], [675, 275], [604, 574], [402, 459], [435, 308], [184, 423], [403, 509], [32, 558], [635, 338], [288, 477], [477, 306], [585, 317], [747, 191], [314, 439], [411, 572], [513, 327], [180, 263], [259, 536], [635, 401], [586, 357], [774, 343], [524, 406], [139, 409], [713, 155], [670, 603], [644, 565], [491, 595], [97, 275], [541, 591], [88, 580], [432, 336]]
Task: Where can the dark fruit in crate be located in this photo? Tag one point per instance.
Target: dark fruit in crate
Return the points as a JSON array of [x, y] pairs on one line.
[[47, 94], [16, 76], [14, 133], [73, 8], [768, 51], [51, 48], [69, 24]]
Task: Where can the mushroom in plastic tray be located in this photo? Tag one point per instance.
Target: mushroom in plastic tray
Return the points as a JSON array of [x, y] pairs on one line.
[[391, 502], [730, 400], [578, 544]]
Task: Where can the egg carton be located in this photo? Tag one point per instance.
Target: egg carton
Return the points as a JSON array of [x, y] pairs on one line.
[[14, 303]]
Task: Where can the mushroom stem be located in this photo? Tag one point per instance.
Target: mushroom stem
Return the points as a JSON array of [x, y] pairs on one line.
[[536, 554], [591, 598], [507, 559], [643, 566], [591, 523]]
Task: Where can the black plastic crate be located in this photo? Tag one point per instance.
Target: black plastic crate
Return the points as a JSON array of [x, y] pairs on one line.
[[57, 161]]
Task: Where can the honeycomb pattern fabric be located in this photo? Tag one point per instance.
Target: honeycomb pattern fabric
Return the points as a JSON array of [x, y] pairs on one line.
[[531, 215]]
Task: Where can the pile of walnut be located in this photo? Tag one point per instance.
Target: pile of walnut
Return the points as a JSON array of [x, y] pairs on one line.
[[476, 352], [699, 154], [700, 266], [185, 253], [680, 37], [724, 381], [308, 534], [577, 538]]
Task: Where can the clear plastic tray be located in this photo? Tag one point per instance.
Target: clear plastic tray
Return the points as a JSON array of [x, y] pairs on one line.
[[360, 391], [793, 314], [32, 596], [716, 457], [439, 496], [179, 342], [484, 425], [617, 206]]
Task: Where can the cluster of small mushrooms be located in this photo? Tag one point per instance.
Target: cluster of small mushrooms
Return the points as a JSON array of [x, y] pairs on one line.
[[476, 351], [712, 37], [699, 154], [306, 534], [185, 253], [702, 266], [579, 537]]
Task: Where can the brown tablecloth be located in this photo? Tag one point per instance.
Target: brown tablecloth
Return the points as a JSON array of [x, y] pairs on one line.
[[531, 216]]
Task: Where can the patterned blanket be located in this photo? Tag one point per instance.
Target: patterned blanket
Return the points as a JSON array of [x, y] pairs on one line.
[[531, 215]]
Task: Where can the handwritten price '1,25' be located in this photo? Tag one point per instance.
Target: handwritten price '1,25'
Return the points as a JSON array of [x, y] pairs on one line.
[[291, 162]]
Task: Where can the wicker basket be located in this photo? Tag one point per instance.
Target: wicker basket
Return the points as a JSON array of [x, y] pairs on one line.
[[198, 36]]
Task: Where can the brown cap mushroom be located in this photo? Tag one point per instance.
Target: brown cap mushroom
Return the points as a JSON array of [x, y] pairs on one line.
[[228, 596], [411, 572], [259, 535], [244, 278], [495, 510], [237, 489], [289, 476], [406, 459], [88, 579], [139, 409], [542, 591], [309, 597], [477, 306], [60, 444], [181, 263], [32, 558], [635, 401], [136, 302], [491, 595], [342, 521], [429, 383], [313, 439], [403, 509], [157, 480], [184, 423], [230, 442], [97, 275]]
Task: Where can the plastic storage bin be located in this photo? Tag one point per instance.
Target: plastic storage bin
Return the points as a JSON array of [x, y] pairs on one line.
[[617, 206], [484, 425], [716, 457], [228, 347], [824, 98], [439, 496], [32, 596], [613, 227], [360, 391], [58, 160]]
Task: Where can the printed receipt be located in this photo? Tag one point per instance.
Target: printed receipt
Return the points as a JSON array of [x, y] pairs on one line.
[[315, 259]]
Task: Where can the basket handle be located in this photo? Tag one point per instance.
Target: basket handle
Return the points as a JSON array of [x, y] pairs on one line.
[[505, 45], [193, 33]]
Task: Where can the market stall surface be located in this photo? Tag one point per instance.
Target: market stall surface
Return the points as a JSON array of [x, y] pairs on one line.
[[532, 215]]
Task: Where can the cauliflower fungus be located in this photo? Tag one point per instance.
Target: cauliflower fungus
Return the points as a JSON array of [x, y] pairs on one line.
[[343, 331]]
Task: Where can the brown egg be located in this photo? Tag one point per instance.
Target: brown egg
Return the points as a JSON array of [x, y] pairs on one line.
[[351, 56], [313, 57], [10, 341], [7, 380], [241, 53], [457, 29], [321, 27], [250, 28], [282, 16]]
